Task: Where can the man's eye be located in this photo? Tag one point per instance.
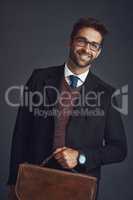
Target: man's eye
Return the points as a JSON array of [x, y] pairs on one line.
[[80, 40], [94, 45]]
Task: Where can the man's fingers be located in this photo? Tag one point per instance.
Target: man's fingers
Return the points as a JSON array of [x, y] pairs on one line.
[[59, 150], [61, 159], [62, 162], [66, 157], [60, 154]]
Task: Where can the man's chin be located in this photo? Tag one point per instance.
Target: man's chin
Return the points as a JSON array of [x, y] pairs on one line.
[[83, 65]]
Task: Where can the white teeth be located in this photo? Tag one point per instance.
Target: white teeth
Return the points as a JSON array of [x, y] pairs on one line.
[[84, 57]]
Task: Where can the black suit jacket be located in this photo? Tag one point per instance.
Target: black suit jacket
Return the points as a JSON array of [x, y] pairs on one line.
[[101, 138]]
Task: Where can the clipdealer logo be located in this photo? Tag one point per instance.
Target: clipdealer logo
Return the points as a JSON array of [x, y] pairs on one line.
[[122, 93], [92, 99], [35, 98]]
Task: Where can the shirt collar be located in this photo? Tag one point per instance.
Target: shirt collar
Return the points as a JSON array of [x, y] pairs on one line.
[[68, 72]]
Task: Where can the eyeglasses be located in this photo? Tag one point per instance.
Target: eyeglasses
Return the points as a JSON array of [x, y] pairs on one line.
[[82, 42]]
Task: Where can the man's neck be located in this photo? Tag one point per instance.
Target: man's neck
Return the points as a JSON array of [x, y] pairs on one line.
[[76, 69]]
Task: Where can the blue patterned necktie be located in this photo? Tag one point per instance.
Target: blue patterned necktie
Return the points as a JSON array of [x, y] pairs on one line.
[[73, 81]]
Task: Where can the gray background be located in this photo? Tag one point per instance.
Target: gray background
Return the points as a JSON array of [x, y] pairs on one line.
[[35, 34]]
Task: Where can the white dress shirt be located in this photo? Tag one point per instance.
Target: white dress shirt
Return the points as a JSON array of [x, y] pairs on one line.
[[82, 77]]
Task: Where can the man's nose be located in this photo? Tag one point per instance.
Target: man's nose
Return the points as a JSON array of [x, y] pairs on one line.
[[87, 48]]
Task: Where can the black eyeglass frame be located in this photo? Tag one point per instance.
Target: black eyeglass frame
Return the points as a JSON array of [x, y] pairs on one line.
[[82, 42]]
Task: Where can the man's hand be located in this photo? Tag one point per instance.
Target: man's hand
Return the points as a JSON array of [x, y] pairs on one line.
[[66, 157]]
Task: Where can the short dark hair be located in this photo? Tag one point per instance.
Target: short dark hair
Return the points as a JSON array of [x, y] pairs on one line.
[[91, 23]]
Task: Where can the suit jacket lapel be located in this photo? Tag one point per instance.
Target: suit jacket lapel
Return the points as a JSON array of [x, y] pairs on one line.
[[89, 83], [53, 82], [87, 87]]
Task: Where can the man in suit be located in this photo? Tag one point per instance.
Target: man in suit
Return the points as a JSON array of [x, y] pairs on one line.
[[86, 132]]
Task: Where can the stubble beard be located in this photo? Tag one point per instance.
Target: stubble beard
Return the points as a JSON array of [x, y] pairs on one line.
[[76, 60]]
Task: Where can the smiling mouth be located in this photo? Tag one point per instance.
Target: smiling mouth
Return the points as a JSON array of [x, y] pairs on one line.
[[84, 57]]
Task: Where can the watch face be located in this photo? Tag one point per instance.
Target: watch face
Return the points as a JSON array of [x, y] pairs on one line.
[[82, 159]]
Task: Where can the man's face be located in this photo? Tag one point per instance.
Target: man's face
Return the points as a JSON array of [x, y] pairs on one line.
[[85, 47]]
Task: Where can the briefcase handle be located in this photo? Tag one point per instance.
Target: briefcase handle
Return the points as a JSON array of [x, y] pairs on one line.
[[45, 161]]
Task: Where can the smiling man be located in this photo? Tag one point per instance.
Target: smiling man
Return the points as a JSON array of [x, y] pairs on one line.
[[85, 47], [78, 137]]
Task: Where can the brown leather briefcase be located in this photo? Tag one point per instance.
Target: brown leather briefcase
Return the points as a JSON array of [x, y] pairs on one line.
[[42, 183]]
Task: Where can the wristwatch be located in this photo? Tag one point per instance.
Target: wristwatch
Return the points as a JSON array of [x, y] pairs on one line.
[[81, 159]]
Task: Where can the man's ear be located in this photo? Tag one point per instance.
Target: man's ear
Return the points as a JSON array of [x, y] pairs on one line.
[[98, 53]]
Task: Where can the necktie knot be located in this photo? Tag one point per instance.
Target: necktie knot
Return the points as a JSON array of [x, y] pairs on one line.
[[73, 81]]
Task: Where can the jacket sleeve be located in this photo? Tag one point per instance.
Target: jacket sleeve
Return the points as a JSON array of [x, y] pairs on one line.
[[115, 147], [22, 129]]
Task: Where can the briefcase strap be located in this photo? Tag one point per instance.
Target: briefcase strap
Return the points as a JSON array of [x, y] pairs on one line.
[[45, 161]]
